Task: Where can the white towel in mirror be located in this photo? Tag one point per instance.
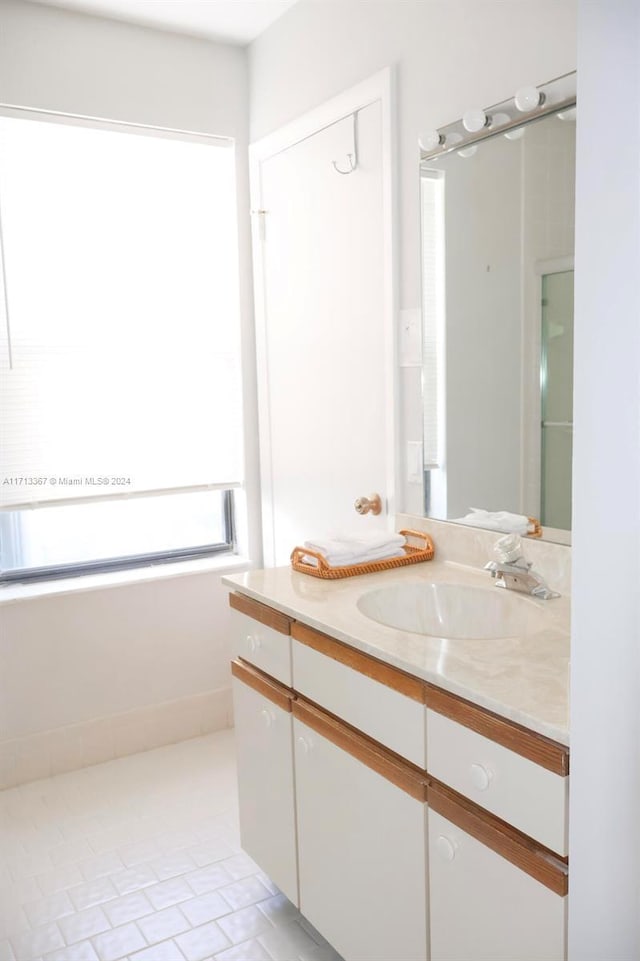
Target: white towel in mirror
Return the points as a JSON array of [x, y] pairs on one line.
[[497, 521]]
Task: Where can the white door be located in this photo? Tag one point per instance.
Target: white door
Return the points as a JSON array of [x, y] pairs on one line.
[[325, 321]]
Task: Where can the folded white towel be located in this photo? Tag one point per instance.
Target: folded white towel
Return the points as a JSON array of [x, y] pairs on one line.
[[381, 555], [340, 551], [497, 521]]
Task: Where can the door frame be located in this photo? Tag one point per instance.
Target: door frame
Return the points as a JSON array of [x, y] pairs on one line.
[[531, 448], [377, 88]]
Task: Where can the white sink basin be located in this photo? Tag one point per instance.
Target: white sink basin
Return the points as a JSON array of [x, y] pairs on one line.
[[455, 611]]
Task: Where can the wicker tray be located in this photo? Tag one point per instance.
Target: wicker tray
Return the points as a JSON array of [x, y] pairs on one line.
[[413, 555]]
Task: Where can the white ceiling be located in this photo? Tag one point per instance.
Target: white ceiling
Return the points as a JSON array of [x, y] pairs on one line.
[[231, 21]]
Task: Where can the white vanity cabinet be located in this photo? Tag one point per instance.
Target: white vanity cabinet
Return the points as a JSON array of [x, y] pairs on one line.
[[404, 821]]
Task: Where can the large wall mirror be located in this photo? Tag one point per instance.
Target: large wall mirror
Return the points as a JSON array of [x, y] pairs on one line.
[[497, 214]]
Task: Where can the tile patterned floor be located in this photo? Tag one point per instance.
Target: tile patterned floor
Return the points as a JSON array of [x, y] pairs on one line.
[[140, 859]]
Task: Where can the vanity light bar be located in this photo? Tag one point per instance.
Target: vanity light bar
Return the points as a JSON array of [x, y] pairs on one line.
[[529, 103]]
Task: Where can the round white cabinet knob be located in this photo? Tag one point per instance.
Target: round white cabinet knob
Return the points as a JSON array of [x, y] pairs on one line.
[[267, 717], [446, 848], [254, 642], [480, 776]]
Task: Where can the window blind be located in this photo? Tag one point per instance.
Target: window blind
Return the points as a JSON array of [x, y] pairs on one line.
[[119, 348]]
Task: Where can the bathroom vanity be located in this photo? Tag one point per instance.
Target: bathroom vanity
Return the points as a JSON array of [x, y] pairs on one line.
[[409, 793]]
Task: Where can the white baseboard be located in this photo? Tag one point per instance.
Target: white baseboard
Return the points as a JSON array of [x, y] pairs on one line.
[[103, 739]]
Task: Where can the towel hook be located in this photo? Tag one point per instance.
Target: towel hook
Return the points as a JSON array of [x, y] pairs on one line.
[[352, 158], [352, 165]]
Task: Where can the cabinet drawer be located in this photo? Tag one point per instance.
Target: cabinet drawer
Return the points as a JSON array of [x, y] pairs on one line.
[[266, 645], [382, 711], [514, 788]]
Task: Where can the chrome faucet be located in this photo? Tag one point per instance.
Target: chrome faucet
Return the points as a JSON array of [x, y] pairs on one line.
[[513, 572]]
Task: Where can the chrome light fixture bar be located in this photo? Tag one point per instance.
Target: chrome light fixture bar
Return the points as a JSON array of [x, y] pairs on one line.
[[530, 103]]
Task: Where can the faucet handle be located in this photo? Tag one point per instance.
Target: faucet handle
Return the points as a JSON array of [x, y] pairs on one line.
[[508, 549]]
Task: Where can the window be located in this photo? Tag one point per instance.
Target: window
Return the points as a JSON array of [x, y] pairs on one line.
[[120, 392]]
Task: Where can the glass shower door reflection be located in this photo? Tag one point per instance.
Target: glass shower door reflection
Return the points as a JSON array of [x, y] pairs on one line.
[[557, 398]]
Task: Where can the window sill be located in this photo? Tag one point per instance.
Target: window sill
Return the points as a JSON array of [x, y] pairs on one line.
[[221, 564]]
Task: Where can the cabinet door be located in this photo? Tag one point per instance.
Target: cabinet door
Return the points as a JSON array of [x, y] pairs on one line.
[[265, 785], [361, 854], [483, 908]]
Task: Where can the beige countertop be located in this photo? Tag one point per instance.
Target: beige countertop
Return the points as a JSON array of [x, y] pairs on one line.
[[525, 679]]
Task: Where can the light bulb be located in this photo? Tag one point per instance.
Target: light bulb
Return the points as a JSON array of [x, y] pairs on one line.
[[569, 114], [468, 151], [474, 120], [528, 98], [430, 140]]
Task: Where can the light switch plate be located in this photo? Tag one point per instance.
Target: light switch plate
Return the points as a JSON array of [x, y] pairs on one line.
[[414, 462]]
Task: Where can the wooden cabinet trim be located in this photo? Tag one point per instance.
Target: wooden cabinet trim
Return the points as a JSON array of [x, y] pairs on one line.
[[260, 612], [523, 852], [275, 692], [392, 677], [362, 748], [535, 747]]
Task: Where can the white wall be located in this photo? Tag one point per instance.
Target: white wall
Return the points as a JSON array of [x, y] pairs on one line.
[[99, 673], [116, 649], [60, 60], [449, 54], [154, 654], [604, 902]]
